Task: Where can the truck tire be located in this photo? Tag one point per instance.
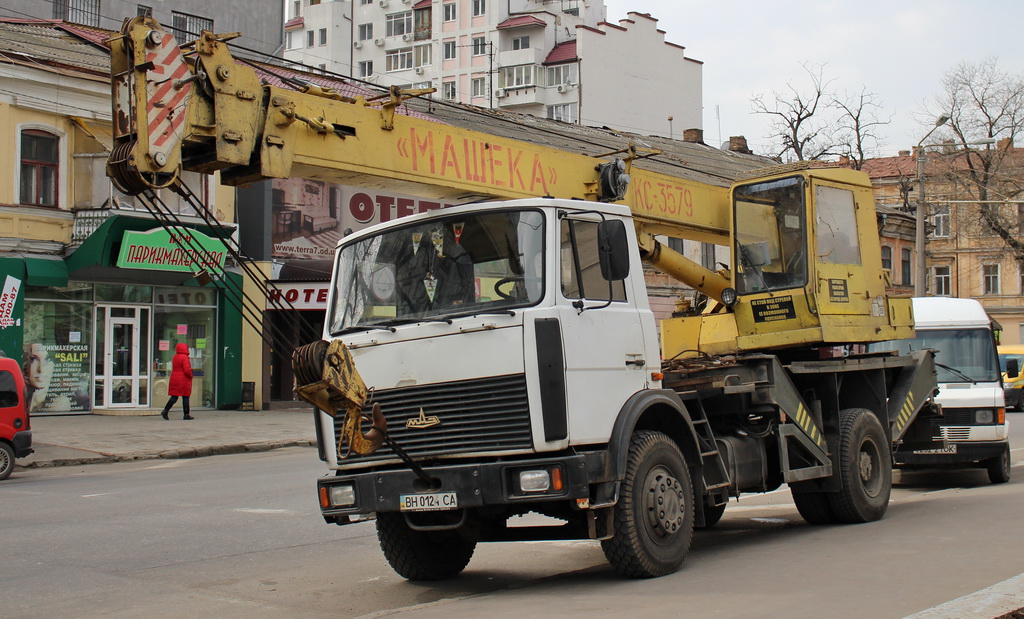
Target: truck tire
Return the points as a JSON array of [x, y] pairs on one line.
[[6, 460], [654, 514], [865, 468], [998, 467], [422, 555], [815, 507], [712, 515]]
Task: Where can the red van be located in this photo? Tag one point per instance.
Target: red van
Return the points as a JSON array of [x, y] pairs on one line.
[[15, 429]]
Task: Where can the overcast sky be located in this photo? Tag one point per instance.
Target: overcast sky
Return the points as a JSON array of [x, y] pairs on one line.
[[898, 49]]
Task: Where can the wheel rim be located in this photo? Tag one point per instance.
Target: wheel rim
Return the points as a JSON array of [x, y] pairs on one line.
[[869, 466], [664, 503], [5, 460]]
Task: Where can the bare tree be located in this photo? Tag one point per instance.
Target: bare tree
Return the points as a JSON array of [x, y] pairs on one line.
[[985, 104], [858, 126], [796, 126]]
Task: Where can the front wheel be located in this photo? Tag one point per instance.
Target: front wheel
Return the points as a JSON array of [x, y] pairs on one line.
[[865, 468], [422, 555], [6, 460], [654, 514], [999, 467]]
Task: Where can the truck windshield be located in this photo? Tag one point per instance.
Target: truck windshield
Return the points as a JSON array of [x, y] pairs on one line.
[[971, 353], [448, 266], [771, 236]]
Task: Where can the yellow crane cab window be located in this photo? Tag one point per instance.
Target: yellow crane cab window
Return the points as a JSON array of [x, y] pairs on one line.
[[836, 226], [771, 236]]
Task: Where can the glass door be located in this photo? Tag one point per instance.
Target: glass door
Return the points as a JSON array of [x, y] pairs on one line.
[[122, 375]]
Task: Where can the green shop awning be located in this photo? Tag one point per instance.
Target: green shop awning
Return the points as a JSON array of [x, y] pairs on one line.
[[44, 271], [96, 257]]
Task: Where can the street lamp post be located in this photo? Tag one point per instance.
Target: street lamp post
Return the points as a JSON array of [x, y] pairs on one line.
[[920, 270]]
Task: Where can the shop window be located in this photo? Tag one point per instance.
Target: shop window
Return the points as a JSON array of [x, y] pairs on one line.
[[40, 168], [186, 315], [57, 356]]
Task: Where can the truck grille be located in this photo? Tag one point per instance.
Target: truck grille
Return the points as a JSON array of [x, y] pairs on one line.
[[486, 414]]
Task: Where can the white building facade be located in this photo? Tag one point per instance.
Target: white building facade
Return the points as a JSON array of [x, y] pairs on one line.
[[557, 59]]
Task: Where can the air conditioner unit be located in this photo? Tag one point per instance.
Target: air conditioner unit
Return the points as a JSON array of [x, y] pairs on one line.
[[499, 93], [407, 37], [563, 88], [357, 44], [419, 70], [378, 42], [383, 4]]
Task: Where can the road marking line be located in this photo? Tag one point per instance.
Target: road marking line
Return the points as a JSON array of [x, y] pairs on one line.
[[255, 510], [993, 601], [89, 496]]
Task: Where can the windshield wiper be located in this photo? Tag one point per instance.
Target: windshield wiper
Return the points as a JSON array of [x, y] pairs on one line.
[[366, 327], [956, 372]]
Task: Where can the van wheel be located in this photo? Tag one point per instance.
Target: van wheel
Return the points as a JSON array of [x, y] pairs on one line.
[[654, 514], [6, 461], [865, 468], [998, 467]]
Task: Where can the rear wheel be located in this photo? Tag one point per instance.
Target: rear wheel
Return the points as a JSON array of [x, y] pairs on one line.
[[865, 468], [999, 467], [422, 555], [6, 460], [654, 514], [815, 507]]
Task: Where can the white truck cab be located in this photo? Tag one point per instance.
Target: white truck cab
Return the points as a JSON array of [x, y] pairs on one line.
[[973, 426]]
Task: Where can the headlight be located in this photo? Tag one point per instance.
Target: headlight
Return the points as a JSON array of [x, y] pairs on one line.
[[342, 495], [534, 481], [729, 297], [984, 415]]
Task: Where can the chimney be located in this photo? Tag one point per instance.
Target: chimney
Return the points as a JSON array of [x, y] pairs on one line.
[[738, 144], [904, 153], [696, 136]]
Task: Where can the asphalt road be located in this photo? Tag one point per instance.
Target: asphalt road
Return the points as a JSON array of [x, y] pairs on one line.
[[241, 536]]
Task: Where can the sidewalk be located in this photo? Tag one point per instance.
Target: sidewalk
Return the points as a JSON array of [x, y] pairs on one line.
[[89, 439]]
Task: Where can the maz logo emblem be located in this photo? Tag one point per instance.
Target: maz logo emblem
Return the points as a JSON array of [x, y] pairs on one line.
[[422, 421]]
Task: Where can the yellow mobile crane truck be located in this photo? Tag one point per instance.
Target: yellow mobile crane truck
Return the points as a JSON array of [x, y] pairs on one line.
[[501, 358]]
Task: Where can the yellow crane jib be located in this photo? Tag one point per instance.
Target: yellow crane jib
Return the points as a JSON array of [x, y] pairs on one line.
[[326, 377]]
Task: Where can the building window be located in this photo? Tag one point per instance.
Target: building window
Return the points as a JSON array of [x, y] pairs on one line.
[[398, 59], [561, 74], [479, 7], [365, 68], [365, 32], [941, 281], [190, 25], [365, 1], [296, 8], [448, 90], [521, 43], [397, 24], [448, 50], [323, 36], [479, 46], [310, 38], [940, 222], [906, 266], [40, 167], [291, 41], [514, 77], [479, 85], [887, 258], [565, 113], [314, 2], [144, 11], [422, 55], [78, 11], [449, 11], [990, 277]]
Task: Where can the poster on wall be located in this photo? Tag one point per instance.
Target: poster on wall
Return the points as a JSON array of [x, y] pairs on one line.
[[310, 217], [57, 378]]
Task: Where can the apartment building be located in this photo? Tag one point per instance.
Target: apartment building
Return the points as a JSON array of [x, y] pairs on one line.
[[556, 59]]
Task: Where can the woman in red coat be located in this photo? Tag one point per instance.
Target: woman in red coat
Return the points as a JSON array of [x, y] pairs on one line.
[[181, 380]]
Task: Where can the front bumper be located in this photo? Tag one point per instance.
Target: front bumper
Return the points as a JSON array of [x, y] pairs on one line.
[[475, 485], [958, 453], [22, 442]]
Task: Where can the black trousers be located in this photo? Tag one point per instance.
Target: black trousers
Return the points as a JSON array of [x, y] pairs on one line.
[[174, 398]]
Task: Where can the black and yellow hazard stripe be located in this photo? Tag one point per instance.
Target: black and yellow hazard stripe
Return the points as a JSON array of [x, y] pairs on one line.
[[806, 423], [906, 414]]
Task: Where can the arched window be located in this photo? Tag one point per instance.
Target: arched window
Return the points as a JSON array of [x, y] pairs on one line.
[[40, 168]]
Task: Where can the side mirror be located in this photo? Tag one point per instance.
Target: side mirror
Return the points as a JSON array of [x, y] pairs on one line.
[[1012, 368], [613, 250]]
